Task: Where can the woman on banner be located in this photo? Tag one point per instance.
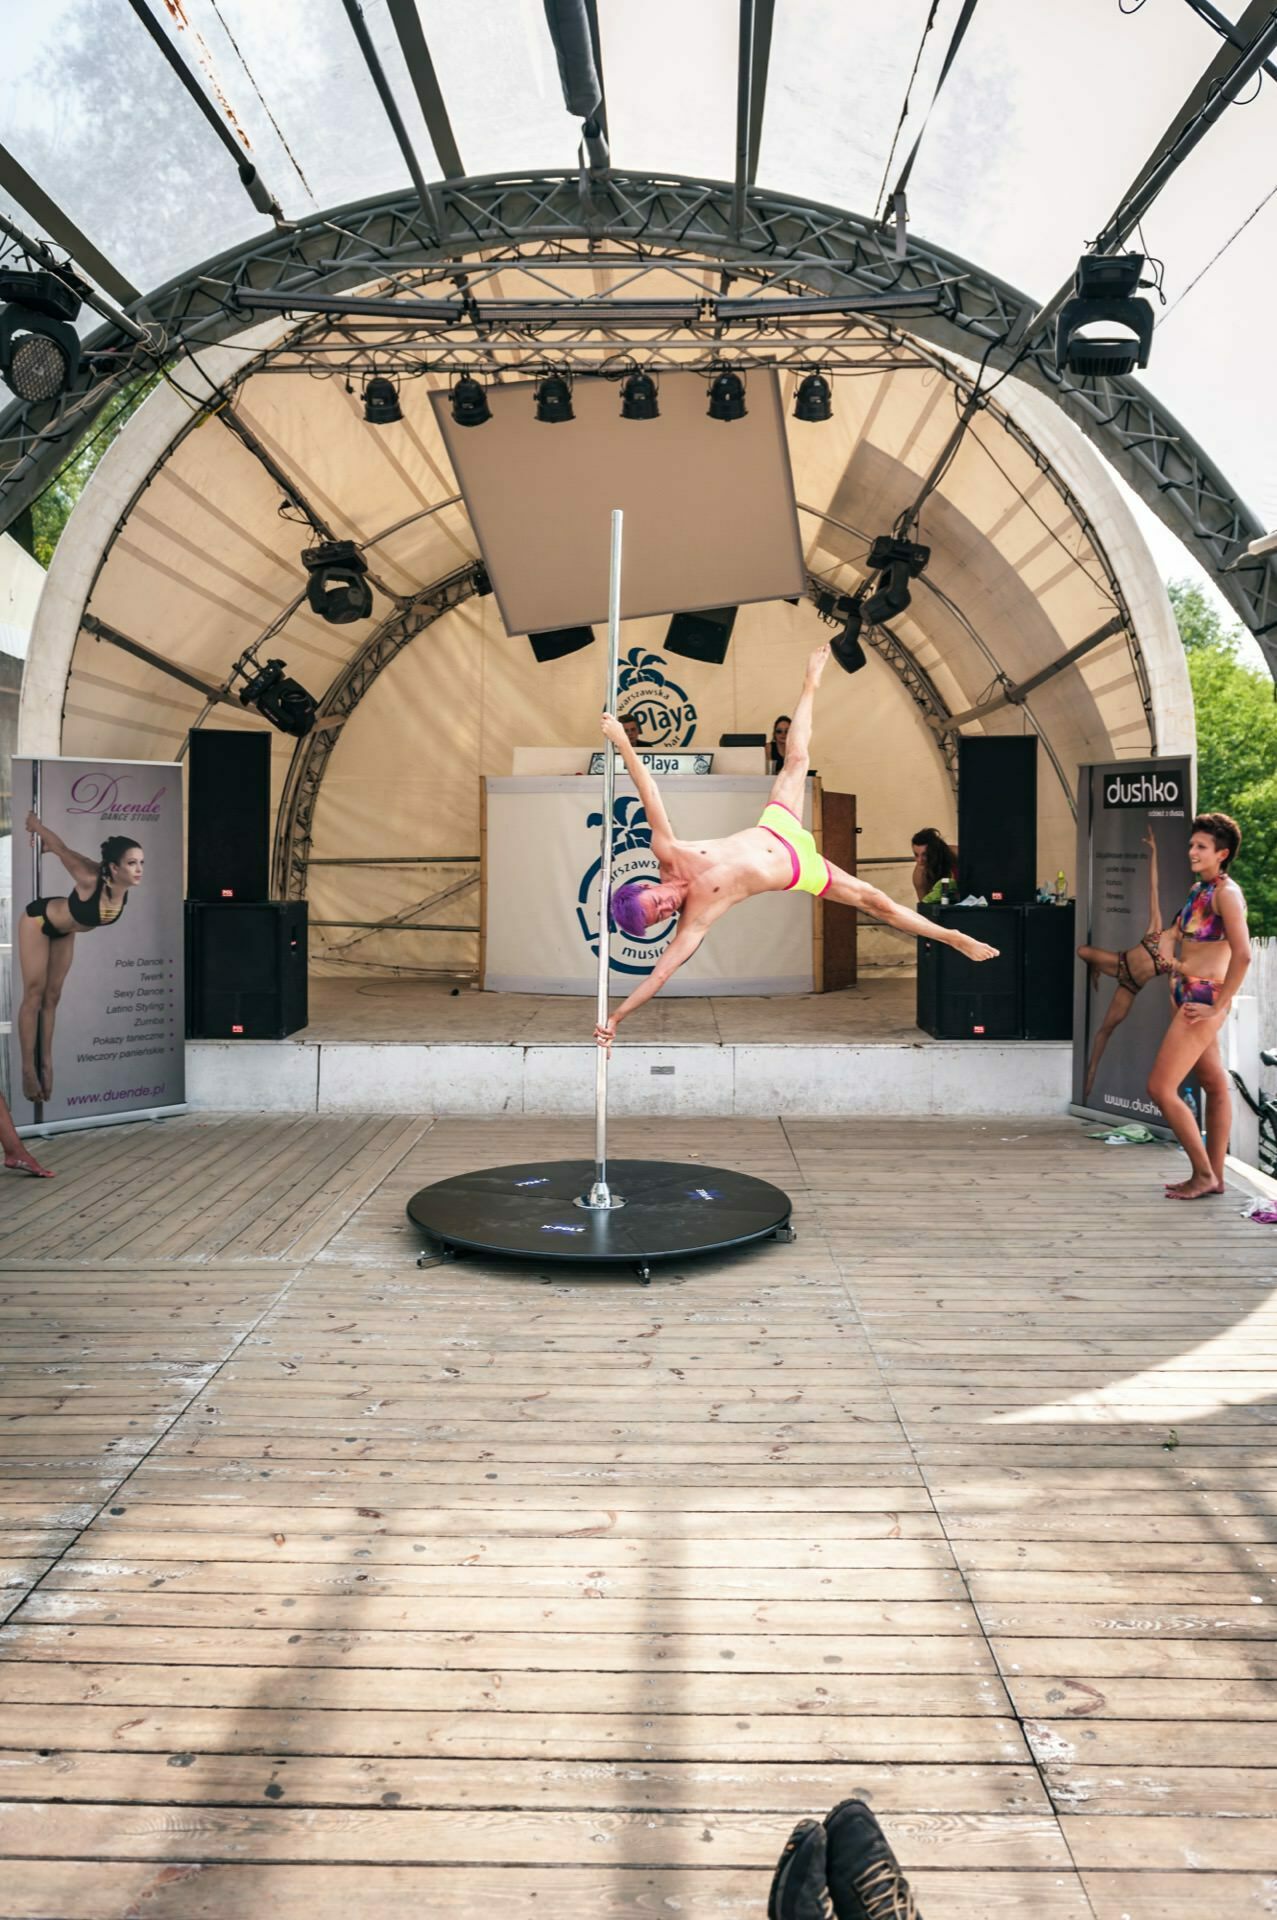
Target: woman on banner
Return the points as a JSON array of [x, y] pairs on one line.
[[1132, 970], [47, 933], [1214, 954]]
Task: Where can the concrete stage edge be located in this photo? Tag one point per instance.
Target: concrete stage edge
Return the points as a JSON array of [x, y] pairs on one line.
[[960, 1079], [671, 1211]]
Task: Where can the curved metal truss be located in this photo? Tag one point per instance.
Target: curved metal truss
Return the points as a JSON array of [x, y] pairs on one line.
[[789, 244], [294, 827]]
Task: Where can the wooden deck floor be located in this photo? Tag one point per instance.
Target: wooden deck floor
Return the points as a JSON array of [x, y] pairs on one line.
[[340, 1589]]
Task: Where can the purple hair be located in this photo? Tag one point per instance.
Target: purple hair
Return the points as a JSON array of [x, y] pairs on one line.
[[625, 905]]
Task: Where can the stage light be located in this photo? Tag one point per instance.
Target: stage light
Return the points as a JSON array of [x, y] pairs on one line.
[[381, 402], [1105, 290], [39, 347], [896, 562], [814, 401], [482, 584], [846, 648], [284, 702], [556, 642], [469, 403], [702, 636], [727, 397], [638, 398], [554, 399], [337, 590]]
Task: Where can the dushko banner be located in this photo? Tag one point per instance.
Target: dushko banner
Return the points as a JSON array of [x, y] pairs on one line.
[[99, 1020], [1132, 865]]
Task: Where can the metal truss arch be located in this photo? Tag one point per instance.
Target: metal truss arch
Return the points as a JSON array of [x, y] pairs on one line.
[[796, 244], [801, 244]]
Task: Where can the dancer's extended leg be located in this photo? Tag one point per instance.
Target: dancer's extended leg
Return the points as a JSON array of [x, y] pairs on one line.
[[1185, 1044], [789, 786], [872, 900]]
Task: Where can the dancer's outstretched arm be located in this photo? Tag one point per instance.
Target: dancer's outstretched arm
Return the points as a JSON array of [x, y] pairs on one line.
[[83, 871], [1154, 926], [648, 791]]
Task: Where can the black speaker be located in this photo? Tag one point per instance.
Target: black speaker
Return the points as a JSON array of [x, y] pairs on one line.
[[961, 999], [1049, 964], [228, 814], [702, 636], [246, 974], [998, 818]]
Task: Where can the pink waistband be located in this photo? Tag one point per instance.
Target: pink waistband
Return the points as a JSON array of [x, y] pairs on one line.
[[793, 857]]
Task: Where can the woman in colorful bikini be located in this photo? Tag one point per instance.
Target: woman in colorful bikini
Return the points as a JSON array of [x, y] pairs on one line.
[[47, 934], [1132, 970], [701, 882], [1214, 953]]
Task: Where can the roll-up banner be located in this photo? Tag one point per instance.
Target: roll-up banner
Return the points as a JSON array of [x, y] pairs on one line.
[[98, 1015], [1132, 866]]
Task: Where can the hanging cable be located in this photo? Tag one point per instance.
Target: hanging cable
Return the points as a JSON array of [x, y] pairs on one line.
[[1218, 255], [904, 111], [897, 202]]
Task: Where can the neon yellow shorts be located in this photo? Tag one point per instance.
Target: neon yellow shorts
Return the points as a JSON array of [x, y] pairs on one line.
[[811, 869]]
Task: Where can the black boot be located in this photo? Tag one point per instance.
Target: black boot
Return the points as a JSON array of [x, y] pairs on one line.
[[799, 1891], [864, 1875]]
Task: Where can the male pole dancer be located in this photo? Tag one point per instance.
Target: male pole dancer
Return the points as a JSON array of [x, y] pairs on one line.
[[700, 881]]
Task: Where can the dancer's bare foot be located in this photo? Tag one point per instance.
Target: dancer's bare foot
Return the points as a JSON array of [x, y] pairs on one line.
[[975, 949], [816, 665], [20, 1161], [1178, 1187], [31, 1089], [1198, 1186]]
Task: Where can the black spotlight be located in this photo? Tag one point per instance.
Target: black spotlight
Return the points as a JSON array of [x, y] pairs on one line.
[[702, 636], [896, 562], [814, 401], [554, 399], [727, 397], [556, 642], [469, 403], [638, 398], [482, 583], [381, 402], [846, 648], [1105, 289], [39, 347], [284, 702], [337, 590]]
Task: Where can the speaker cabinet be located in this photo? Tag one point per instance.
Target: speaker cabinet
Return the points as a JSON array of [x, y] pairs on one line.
[[1050, 941], [961, 999], [246, 969], [228, 814], [998, 818]]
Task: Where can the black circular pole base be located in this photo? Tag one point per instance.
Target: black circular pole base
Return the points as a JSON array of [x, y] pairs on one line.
[[671, 1211]]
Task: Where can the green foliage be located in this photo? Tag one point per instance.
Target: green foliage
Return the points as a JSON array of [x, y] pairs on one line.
[[51, 511], [1236, 744]]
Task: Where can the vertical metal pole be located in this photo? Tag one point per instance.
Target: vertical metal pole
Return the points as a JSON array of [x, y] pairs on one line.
[[37, 1106], [601, 1196]]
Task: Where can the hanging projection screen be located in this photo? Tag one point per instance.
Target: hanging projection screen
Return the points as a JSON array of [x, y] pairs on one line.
[[709, 507]]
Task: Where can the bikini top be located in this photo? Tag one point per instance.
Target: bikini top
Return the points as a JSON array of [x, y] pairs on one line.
[[1198, 919], [88, 913]]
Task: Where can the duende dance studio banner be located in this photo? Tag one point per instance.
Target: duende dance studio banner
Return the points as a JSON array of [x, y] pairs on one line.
[[98, 1015], [1132, 864]]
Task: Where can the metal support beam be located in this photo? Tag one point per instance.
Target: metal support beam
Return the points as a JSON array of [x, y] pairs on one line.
[[1014, 696], [28, 193], [421, 71], [254, 186], [390, 107], [1210, 99], [212, 693], [744, 111]]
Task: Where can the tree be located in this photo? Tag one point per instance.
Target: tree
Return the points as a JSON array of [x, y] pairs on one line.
[[51, 510], [1236, 744]]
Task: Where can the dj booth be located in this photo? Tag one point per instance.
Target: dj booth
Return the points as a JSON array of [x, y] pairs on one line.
[[539, 841]]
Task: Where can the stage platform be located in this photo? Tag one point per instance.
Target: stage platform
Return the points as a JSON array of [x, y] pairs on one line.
[[338, 1589], [441, 1046]]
